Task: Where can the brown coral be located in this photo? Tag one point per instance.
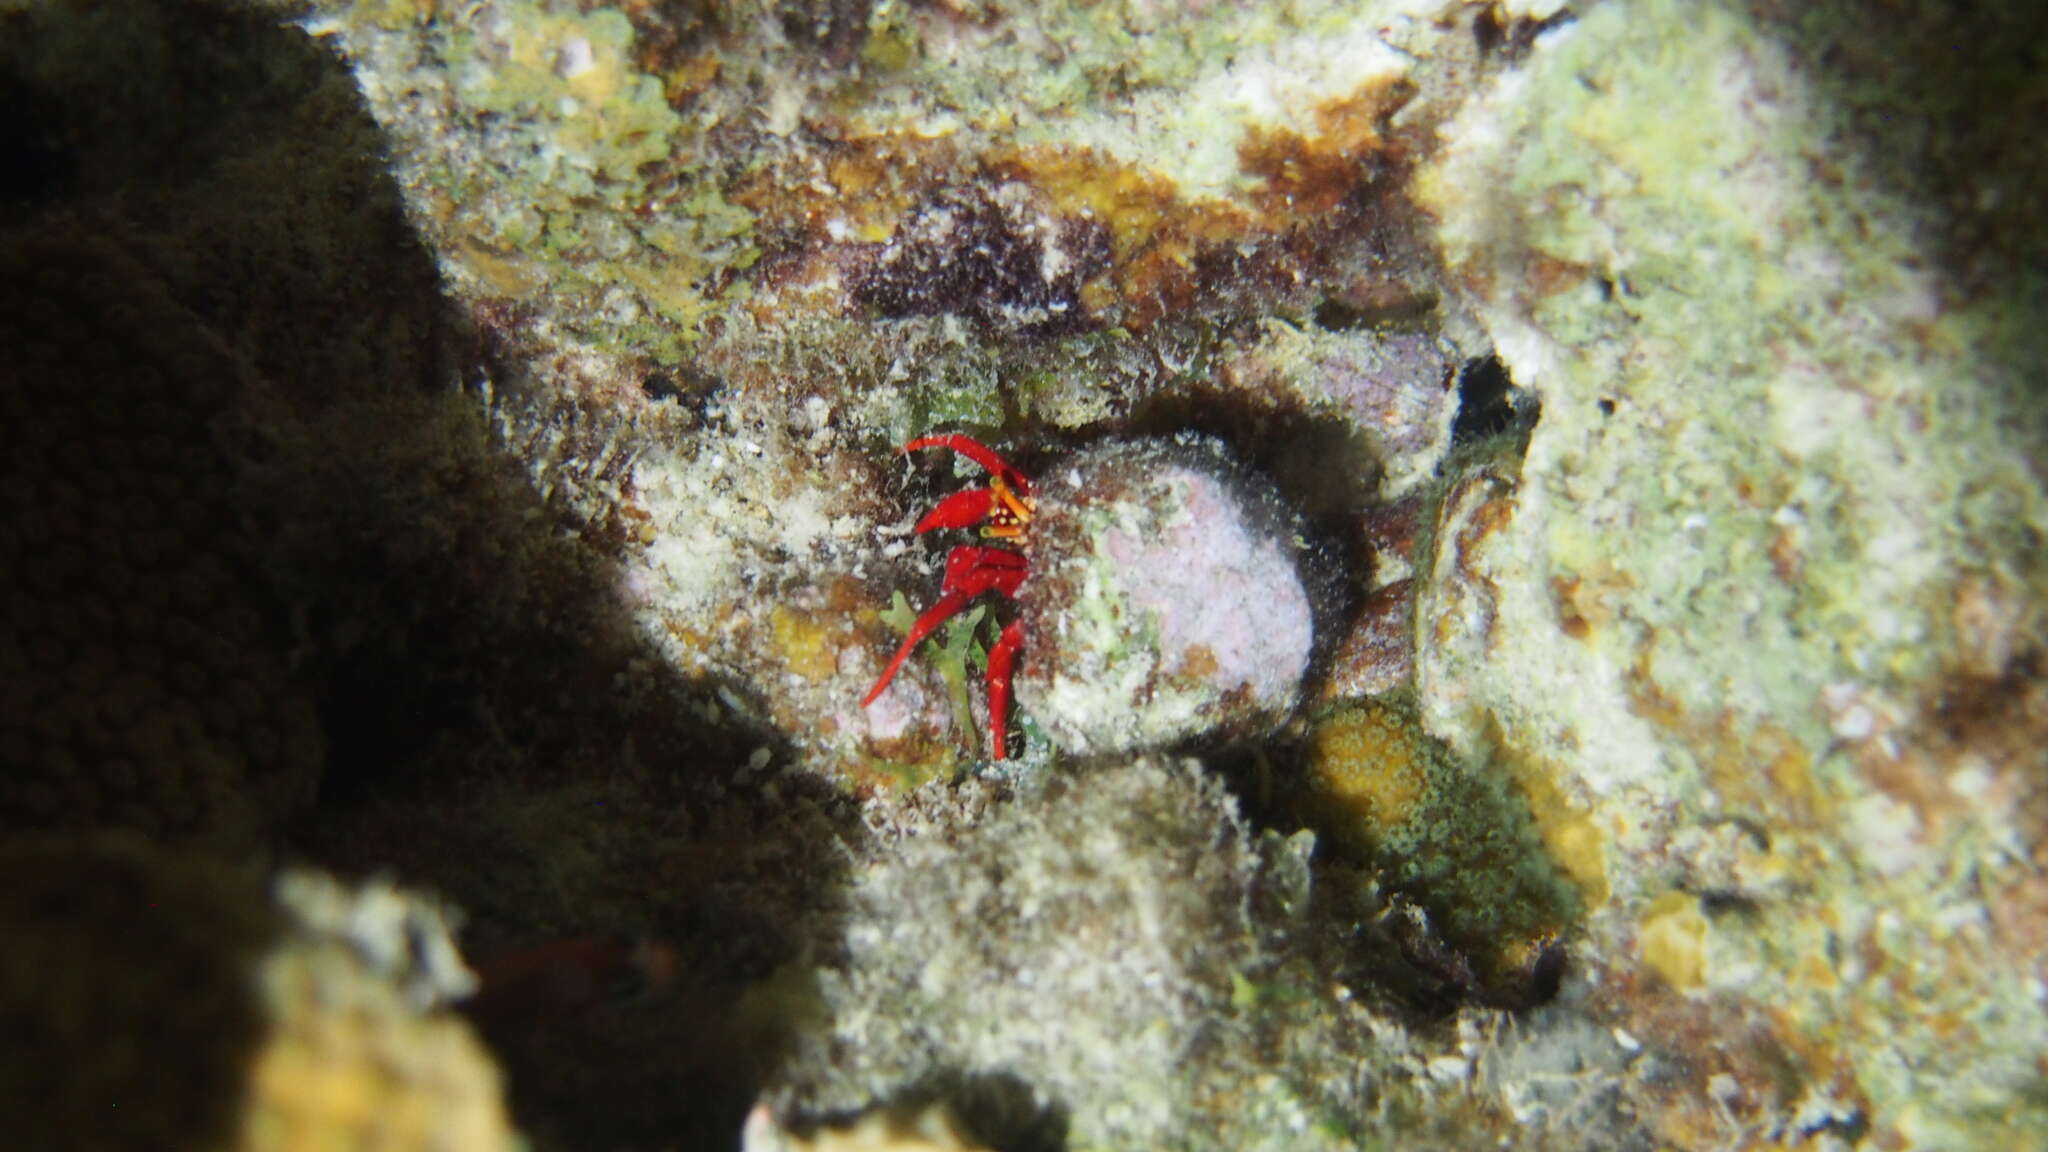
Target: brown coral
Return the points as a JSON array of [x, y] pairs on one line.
[[145, 683]]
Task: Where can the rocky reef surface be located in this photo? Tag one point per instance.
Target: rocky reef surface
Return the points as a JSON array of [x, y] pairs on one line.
[[1532, 626]]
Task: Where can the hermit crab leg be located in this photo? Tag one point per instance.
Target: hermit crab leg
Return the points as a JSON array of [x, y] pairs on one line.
[[1001, 659], [970, 571], [934, 616]]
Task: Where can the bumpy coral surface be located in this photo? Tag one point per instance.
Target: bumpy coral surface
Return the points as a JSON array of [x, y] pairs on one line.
[[163, 1000], [1058, 907], [1732, 611], [127, 978], [1163, 603], [361, 1050], [1448, 838], [142, 675]]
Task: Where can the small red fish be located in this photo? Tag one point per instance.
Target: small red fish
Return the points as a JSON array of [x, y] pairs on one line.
[[570, 977]]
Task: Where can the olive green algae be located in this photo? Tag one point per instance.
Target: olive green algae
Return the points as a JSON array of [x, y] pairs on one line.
[[549, 169]]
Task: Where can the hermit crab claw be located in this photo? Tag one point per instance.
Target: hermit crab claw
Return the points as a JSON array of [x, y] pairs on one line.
[[962, 509], [978, 452]]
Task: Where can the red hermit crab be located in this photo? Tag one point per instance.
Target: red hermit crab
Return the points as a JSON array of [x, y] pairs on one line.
[[1004, 510], [1158, 587]]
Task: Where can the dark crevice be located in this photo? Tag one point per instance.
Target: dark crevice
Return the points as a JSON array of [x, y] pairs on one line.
[[1511, 37], [997, 1111], [1489, 402]]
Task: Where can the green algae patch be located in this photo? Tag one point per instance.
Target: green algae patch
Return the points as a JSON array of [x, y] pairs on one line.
[[1454, 838], [553, 174], [572, 71]]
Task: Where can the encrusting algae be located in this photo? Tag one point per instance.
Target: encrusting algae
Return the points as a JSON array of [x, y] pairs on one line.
[[1453, 838]]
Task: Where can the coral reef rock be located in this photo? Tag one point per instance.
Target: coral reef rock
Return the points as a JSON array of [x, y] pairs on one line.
[[157, 999], [1078, 941], [1733, 615], [930, 1129], [1164, 604], [362, 1051]]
